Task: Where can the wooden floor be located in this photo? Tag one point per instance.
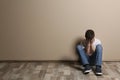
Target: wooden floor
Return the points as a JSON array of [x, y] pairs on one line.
[[55, 71]]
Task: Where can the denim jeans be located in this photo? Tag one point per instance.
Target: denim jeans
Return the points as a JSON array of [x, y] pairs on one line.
[[94, 59]]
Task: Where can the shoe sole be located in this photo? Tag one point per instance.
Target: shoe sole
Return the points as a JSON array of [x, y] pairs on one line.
[[99, 74], [87, 71]]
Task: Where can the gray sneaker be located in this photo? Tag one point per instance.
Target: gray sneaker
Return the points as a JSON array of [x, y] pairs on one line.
[[87, 69], [98, 71]]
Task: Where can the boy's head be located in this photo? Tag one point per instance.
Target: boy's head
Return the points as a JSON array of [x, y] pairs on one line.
[[89, 34]]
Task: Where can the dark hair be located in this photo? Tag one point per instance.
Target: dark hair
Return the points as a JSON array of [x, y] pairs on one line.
[[89, 35]]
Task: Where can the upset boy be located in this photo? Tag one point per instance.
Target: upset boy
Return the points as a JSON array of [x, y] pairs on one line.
[[91, 52]]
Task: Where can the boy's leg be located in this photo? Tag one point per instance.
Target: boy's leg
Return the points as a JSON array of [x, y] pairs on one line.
[[83, 55], [96, 59], [84, 58], [99, 50]]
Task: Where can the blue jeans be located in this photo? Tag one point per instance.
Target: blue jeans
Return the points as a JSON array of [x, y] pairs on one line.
[[94, 59]]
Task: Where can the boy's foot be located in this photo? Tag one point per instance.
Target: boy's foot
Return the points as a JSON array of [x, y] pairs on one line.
[[87, 69], [98, 71]]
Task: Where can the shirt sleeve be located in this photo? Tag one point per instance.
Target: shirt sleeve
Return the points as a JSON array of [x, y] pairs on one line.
[[97, 42]]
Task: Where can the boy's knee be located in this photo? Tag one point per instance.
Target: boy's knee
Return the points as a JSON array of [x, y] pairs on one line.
[[99, 47], [79, 47]]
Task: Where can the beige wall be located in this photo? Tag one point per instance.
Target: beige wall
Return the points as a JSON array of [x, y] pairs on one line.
[[49, 29]]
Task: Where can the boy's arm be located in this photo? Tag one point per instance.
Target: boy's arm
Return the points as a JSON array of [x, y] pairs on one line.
[[89, 48]]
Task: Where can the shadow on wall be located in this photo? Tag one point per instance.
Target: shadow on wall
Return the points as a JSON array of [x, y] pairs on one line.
[[77, 64], [76, 42]]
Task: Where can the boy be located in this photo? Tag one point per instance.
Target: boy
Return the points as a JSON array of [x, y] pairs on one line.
[[91, 52]]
